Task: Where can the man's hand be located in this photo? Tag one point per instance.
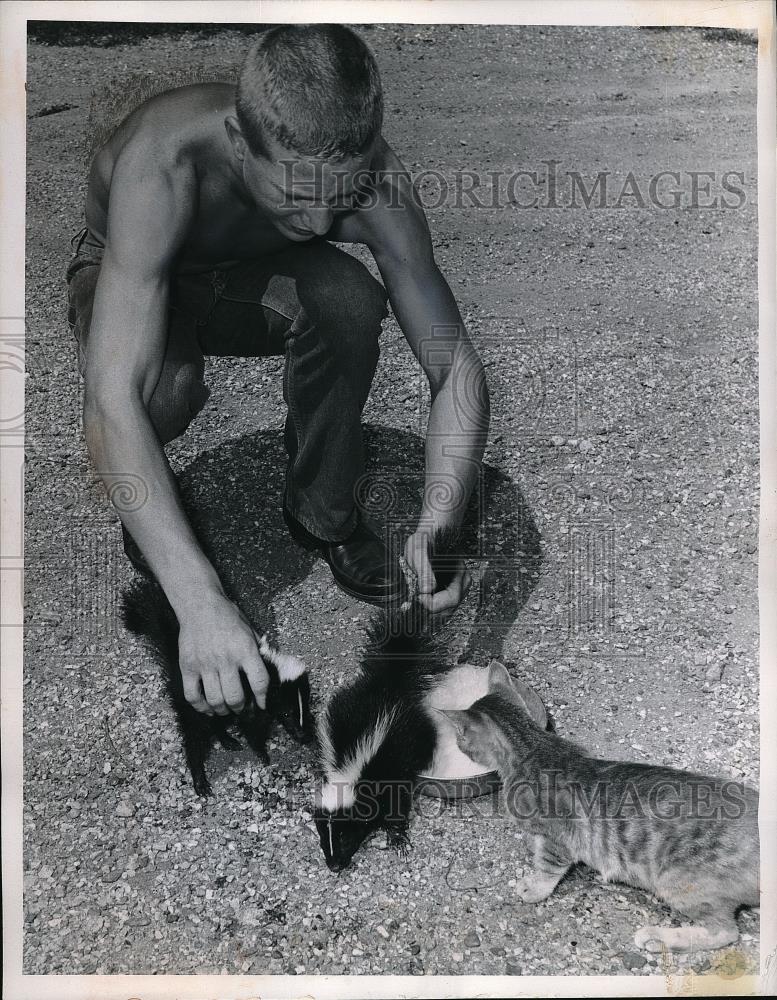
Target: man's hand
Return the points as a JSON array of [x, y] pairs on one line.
[[418, 555], [214, 646]]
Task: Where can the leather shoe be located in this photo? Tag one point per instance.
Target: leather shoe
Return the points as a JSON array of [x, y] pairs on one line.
[[361, 565]]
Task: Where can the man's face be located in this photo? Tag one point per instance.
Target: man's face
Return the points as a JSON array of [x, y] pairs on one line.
[[301, 195]]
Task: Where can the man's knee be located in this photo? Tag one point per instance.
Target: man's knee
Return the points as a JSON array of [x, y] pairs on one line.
[[345, 298], [364, 302], [176, 401]]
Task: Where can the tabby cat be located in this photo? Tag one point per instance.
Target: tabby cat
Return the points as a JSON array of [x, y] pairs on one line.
[[690, 839]]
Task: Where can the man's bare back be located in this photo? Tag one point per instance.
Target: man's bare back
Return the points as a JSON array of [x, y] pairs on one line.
[[181, 134]]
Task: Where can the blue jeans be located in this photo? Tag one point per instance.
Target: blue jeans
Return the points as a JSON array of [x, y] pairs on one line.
[[313, 303]]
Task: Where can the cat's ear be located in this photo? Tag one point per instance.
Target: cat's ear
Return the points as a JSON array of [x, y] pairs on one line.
[[459, 717], [500, 679], [532, 703]]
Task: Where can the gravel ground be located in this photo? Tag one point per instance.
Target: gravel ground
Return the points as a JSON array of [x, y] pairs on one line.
[[619, 558]]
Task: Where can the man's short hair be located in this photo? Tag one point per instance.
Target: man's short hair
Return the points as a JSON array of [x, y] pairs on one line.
[[314, 88]]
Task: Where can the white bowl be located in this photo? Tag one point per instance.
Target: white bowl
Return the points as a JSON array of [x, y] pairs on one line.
[[454, 775]]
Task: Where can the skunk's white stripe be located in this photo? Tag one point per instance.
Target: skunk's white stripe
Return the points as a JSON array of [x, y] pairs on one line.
[[301, 713], [289, 667], [338, 791], [326, 750], [337, 796]]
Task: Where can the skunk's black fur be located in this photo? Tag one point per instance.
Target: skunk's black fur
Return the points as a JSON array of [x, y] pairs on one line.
[[148, 613], [376, 735]]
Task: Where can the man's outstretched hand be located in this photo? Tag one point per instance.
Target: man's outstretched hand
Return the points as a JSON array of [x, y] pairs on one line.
[[418, 556], [215, 644]]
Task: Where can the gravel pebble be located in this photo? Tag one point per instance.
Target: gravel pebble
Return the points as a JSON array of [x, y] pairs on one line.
[[633, 959]]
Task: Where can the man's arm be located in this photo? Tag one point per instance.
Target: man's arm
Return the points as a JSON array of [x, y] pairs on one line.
[[149, 213], [399, 238]]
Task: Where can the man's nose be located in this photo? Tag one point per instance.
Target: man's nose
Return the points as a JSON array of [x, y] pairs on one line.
[[319, 219]]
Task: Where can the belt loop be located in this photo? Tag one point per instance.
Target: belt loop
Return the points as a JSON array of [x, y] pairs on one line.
[[219, 284]]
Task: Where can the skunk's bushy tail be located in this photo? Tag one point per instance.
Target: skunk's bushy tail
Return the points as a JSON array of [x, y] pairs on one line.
[[400, 638], [404, 634]]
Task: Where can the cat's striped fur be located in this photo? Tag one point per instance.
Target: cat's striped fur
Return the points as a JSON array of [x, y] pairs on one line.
[[689, 838]]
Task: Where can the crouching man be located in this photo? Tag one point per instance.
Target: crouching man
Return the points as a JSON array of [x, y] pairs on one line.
[[210, 212]]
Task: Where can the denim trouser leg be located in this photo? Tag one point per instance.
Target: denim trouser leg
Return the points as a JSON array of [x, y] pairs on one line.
[[323, 309]]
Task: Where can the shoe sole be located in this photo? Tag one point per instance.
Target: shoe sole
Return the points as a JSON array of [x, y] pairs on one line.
[[377, 600]]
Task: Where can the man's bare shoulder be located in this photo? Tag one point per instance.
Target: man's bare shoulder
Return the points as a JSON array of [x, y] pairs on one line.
[[387, 165], [374, 184], [173, 134], [390, 219], [387, 174], [172, 119]]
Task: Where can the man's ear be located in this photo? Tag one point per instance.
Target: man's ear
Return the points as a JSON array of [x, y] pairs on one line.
[[239, 144]]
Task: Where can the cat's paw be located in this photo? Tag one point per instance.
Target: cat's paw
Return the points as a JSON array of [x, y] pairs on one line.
[[657, 939], [650, 939], [534, 888], [688, 938]]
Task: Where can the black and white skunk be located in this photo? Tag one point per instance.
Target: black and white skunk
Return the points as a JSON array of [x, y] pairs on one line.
[[378, 734], [148, 613]]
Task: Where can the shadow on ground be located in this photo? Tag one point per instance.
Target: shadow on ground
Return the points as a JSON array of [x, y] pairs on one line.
[[233, 495]]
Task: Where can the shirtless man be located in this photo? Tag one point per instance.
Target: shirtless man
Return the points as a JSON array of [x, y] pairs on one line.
[[209, 212]]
